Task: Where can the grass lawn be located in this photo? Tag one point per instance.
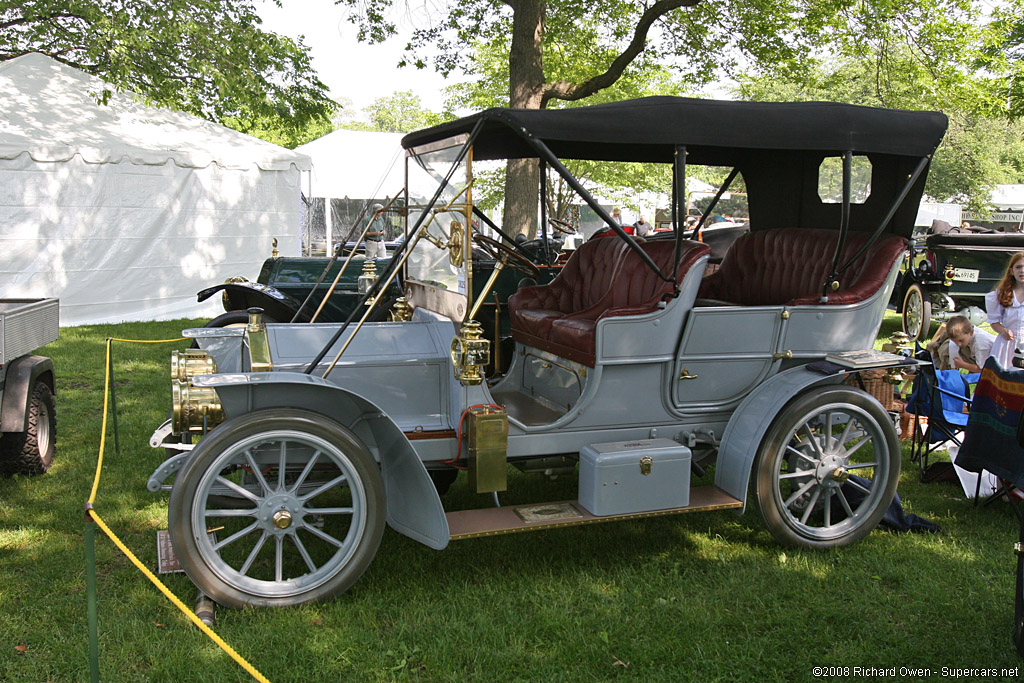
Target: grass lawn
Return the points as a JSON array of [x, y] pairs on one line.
[[702, 597]]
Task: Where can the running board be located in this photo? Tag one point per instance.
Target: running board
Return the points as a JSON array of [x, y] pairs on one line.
[[509, 520]]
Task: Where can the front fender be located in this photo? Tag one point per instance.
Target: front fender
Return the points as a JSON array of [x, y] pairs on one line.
[[751, 421], [244, 295], [413, 504]]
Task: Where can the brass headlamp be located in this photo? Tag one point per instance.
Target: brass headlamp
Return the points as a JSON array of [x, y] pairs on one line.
[[470, 353], [190, 363], [367, 277], [401, 311], [193, 409]]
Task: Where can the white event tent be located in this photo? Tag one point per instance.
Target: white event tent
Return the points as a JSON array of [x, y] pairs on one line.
[[124, 211], [352, 165], [356, 164]]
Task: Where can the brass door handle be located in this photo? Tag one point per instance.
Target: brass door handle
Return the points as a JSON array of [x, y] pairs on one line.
[[686, 375], [779, 356]]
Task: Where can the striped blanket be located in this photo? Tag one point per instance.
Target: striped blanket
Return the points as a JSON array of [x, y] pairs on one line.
[[990, 438]]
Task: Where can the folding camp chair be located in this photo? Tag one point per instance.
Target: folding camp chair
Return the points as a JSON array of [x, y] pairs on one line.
[[942, 398]]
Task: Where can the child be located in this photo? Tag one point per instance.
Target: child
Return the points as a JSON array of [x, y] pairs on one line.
[[968, 345], [1005, 306]]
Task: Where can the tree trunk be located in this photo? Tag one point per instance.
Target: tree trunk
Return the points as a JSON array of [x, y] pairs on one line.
[[526, 87]]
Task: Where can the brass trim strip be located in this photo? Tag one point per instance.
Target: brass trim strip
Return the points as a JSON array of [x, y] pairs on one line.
[[435, 434]]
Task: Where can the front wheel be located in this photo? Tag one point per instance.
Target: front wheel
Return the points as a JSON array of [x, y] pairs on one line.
[[828, 468], [277, 508], [917, 312]]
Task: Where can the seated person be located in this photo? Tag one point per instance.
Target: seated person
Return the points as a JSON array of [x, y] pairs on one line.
[[968, 346]]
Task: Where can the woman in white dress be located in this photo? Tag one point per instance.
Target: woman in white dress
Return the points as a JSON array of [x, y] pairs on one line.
[[1005, 306]]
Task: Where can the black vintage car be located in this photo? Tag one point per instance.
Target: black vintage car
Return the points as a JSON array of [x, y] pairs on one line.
[[949, 272]]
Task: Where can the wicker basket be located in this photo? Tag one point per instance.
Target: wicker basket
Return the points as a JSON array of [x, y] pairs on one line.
[[875, 384]]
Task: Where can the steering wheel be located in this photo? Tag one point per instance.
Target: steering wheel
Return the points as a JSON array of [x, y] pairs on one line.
[[512, 257], [562, 226]]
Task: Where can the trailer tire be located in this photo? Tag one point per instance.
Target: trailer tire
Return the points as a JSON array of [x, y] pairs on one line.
[[32, 451], [796, 464], [246, 549]]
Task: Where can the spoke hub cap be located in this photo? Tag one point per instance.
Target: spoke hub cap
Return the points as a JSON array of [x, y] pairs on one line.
[[282, 519], [279, 513], [831, 471]]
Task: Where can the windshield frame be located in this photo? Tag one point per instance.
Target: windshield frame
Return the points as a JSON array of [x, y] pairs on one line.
[[438, 250]]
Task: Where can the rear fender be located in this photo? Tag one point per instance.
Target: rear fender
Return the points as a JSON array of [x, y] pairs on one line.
[[244, 295], [413, 505], [21, 376], [752, 420]]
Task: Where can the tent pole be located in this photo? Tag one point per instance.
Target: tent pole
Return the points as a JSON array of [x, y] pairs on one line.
[[328, 225]]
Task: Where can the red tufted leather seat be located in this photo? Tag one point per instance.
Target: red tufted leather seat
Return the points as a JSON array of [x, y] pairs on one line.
[[789, 267], [570, 331], [582, 282]]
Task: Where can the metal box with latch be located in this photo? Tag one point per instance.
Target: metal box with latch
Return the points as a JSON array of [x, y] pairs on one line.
[[634, 476]]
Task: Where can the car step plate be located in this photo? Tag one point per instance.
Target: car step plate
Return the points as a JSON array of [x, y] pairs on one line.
[[464, 524]]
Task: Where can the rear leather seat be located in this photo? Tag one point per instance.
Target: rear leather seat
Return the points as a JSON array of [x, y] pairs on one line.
[[789, 266]]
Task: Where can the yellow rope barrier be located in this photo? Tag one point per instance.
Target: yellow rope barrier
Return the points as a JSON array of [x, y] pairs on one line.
[[124, 549], [177, 602]]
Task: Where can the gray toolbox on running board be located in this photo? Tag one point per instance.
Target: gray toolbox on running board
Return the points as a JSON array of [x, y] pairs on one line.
[[624, 477]]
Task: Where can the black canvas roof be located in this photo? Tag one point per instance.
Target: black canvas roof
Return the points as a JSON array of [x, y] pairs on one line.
[[713, 131]]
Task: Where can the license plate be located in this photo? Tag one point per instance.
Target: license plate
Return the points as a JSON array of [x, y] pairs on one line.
[[965, 274]]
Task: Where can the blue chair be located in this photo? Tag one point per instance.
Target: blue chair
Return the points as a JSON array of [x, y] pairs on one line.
[[943, 397]]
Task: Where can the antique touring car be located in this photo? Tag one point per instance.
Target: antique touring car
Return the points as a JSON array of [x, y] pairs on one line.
[[305, 439], [950, 272]]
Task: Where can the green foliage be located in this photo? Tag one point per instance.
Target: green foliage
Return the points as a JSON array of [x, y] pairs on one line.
[[617, 182], [982, 148], [275, 129], [207, 57], [530, 53], [402, 112]]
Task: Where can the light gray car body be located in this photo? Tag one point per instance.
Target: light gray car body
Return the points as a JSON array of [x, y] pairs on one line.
[[396, 378]]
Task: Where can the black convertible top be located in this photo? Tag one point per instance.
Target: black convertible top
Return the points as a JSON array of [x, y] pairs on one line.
[[713, 131]]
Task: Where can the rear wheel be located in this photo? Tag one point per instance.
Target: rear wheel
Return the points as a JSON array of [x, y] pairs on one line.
[[827, 469], [917, 312], [32, 451], [276, 508]]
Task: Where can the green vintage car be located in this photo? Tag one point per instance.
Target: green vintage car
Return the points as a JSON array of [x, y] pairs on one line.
[[292, 288]]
